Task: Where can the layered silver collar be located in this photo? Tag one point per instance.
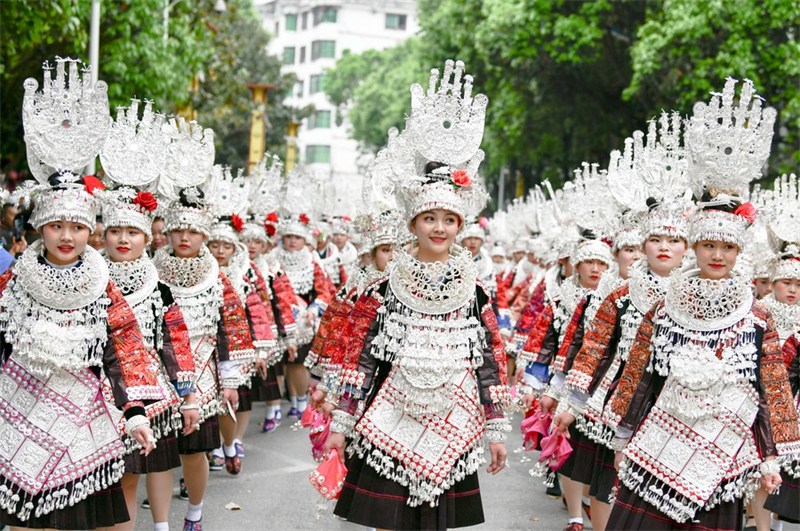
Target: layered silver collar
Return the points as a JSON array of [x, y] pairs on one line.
[[137, 279], [707, 305], [434, 288], [67, 288]]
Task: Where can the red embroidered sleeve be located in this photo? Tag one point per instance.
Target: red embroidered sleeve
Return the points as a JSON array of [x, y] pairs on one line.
[[317, 352], [560, 361], [4, 278], [535, 339], [286, 299], [361, 317], [638, 358], [323, 286], [261, 325], [234, 319], [263, 290], [789, 349], [179, 337], [498, 351], [502, 294], [524, 294], [139, 373], [596, 342], [528, 317], [776, 389]]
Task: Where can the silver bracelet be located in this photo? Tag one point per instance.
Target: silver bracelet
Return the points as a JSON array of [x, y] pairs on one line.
[[769, 467], [135, 422], [618, 444], [497, 430], [342, 422], [187, 407]]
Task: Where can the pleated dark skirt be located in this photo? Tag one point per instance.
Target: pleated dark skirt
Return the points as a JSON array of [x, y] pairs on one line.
[[104, 508], [579, 466], [786, 504], [371, 500], [632, 512], [165, 457], [245, 399], [205, 439], [604, 475], [265, 390]]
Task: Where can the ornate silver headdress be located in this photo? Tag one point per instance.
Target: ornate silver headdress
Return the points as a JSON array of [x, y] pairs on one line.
[[781, 208], [728, 145], [589, 204], [135, 152], [650, 178], [228, 199], [65, 126], [266, 181], [190, 157], [300, 203], [446, 128], [127, 207]]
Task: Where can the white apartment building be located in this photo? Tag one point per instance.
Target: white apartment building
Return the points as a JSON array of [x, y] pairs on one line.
[[311, 35]]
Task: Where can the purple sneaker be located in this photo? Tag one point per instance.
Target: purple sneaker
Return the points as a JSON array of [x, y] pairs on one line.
[[188, 525], [293, 413], [239, 449]]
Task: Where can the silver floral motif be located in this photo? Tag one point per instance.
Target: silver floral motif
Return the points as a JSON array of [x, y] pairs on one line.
[[134, 153]]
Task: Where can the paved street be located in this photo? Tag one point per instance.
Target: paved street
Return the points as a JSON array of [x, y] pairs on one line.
[[274, 493]]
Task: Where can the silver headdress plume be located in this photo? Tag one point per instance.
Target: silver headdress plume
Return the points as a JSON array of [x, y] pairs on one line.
[[67, 122], [729, 142], [782, 213], [728, 145], [445, 127], [227, 197], [654, 167], [190, 157], [136, 150], [589, 204], [265, 181], [65, 126]]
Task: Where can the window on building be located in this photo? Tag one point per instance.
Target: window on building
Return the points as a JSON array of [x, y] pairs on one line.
[[316, 84], [277, 28], [288, 55], [302, 54], [319, 120], [397, 22], [324, 14], [298, 89], [268, 8], [318, 154], [305, 20], [323, 49], [291, 22]]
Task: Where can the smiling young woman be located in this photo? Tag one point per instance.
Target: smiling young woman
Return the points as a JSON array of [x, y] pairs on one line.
[[127, 220]]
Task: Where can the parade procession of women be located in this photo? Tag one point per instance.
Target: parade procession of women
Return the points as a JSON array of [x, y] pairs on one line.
[[640, 326]]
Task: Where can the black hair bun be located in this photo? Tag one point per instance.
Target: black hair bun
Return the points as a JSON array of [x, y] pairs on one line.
[[729, 207], [651, 203], [191, 197], [430, 167], [588, 234]]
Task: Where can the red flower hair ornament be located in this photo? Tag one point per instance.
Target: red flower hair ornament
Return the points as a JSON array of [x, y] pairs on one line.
[[237, 223], [272, 217], [146, 200], [460, 179], [92, 183], [304, 219], [747, 211]]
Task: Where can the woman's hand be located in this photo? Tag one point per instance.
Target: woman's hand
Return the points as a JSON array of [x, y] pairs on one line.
[[770, 482], [230, 396], [548, 404], [291, 350], [335, 440], [261, 368], [191, 417], [327, 408], [499, 455], [144, 436], [528, 399], [316, 399], [562, 422]]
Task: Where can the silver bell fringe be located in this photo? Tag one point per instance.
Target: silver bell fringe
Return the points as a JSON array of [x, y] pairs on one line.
[[675, 505], [16, 501], [421, 490]]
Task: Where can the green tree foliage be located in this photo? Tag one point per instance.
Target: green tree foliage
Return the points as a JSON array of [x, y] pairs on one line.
[[567, 81], [378, 81], [226, 49], [686, 49]]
